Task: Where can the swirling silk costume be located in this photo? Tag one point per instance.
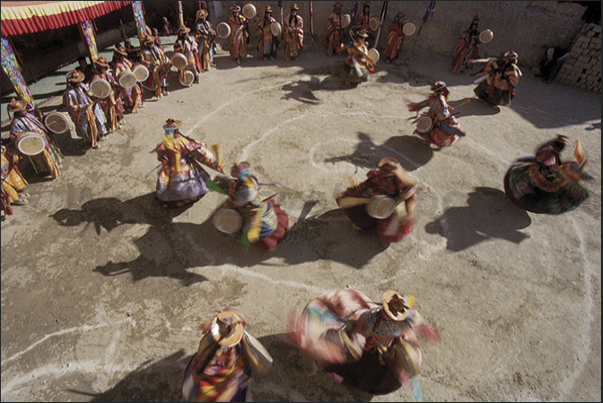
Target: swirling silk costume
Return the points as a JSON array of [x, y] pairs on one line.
[[503, 77], [88, 116], [358, 343], [182, 179], [221, 369], [395, 38], [159, 66], [394, 183], [131, 97], [265, 224], [112, 105]]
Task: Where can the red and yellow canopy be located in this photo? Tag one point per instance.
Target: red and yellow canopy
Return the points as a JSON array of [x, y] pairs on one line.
[[26, 17]]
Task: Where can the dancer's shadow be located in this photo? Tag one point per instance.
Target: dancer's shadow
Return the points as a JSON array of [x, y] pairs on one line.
[[295, 378], [158, 382], [489, 214], [410, 151], [475, 107]]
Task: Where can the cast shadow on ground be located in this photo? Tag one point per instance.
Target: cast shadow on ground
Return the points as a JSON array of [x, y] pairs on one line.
[[489, 214], [410, 151], [157, 382], [168, 249], [291, 374]]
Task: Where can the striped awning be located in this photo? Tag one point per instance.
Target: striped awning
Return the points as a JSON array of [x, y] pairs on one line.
[[26, 17]]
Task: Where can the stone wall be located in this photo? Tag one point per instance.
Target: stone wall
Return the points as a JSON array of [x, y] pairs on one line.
[[583, 67]]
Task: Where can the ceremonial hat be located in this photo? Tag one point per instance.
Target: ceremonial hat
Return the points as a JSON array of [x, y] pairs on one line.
[[235, 8], [148, 39], [76, 76], [362, 33], [17, 105], [438, 85], [268, 9], [294, 6], [102, 61], [184, 29], [240, 169], [396, 305], [227, 328], [171, 123], [120, 50], [201, 13]]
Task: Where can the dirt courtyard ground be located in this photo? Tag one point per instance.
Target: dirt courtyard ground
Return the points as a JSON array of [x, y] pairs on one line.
[[102, 289]]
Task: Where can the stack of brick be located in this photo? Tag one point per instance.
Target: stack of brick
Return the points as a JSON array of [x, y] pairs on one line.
[[583, 67]]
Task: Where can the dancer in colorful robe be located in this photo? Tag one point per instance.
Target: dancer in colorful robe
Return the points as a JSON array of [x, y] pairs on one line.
[[206, 37], [543, 184], [445, 130], [369, 347], [131, 97], [293, 34], [227, 358], [12, 181], [395, 38], [182, 179], [467, 47], [335, 34], [358, 63], [49, 160], [159, 66], [267, 42], [362, 23], [112, 105], [84, 110], [238, 34], [263, 223], [189, 49], [391, 180], [502, 76]]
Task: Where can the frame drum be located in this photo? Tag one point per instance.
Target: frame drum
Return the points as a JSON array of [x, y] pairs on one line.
[[100, 88], [141, 72], [345, 20], [179, 61], [373, 54], [223, 30], [275, 28], [409, 28], [56, 122], [227, 220], [381, 207], [424, 125], [248, 11], [188, 79], [127, 79], [486, 36], [374, 24], [30, 143]]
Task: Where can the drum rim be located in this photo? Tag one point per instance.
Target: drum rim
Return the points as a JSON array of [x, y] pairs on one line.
[[423, 118], [248, 6], [188, 73], [346, 17], [491, 36], [410, 24], [376, 22], [25, 135], [106, 84], [140, 67], [276, 24], [127, 74], [221, 211], [223, 24], [370, 208], [63, 118], [374, 50]]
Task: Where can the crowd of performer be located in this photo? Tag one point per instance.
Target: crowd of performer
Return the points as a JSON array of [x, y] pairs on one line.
[[371, 347]]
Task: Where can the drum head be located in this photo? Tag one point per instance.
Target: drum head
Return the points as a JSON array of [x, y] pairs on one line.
[[374, 54], [227, 220], [100, 88], [127, 79], [424, 124], [223, 30], [249, 11], [188, 79], [345, 20], [409, 29], [275, 28], [374, 24], [56, 122], [381, 207], [30, 143], [179, 61], [141, 72], [486, 36]]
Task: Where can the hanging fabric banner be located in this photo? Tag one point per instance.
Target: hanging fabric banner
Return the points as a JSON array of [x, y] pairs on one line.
[[13, 71], [87, 29], [180, 15], [139, 18]]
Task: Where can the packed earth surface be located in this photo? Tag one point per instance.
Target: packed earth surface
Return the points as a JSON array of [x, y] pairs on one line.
[[103, 289]]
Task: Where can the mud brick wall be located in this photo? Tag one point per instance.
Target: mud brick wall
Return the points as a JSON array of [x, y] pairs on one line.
[[583, 67]]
